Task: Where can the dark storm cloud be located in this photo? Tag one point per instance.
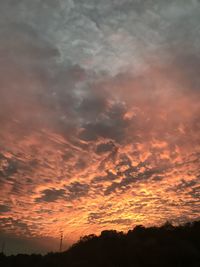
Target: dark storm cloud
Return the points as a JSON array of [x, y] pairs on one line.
[[51, 195]]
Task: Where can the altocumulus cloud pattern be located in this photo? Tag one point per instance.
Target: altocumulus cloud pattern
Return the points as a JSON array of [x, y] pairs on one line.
[[99, 115]]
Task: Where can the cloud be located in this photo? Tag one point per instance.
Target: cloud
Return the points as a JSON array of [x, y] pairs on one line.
[[99, 219], [99, 104], [105, 147], [119, 221], [77, 190], [111, 125], [4, 208], [51, 195], [17, 224], [8, 167]]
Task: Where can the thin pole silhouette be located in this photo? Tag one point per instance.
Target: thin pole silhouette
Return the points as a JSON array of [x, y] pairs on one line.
[[61, 240], [3, 247]]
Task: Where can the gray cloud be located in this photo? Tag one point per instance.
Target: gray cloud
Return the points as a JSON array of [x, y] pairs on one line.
[[105, 147], [75, 90], [134, 175], [108, 177], [8, 167], [4, 208], [51, 195], [17, 224], [111, 125], [119, 221], [77, 190], [56, 59], [90, 33]]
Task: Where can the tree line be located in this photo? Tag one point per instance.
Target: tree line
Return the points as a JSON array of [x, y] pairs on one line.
[[165, 246]]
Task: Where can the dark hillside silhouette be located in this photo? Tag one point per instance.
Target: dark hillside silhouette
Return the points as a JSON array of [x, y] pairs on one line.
[[166, 246]]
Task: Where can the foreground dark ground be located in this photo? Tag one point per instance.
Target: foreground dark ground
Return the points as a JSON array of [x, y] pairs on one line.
[[165, 246]]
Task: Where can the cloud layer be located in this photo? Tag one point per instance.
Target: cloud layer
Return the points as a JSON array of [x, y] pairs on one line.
[[99, 116]]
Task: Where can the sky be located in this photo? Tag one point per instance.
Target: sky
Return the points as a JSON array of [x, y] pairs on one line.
[[99, 118]]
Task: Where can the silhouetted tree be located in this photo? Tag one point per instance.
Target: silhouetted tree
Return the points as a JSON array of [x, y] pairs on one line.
[[141, 247]]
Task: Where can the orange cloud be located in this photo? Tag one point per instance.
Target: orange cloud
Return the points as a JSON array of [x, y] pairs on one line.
[[135, 162]]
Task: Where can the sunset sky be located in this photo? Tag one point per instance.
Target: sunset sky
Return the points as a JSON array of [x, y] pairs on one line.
[[99, 118]]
